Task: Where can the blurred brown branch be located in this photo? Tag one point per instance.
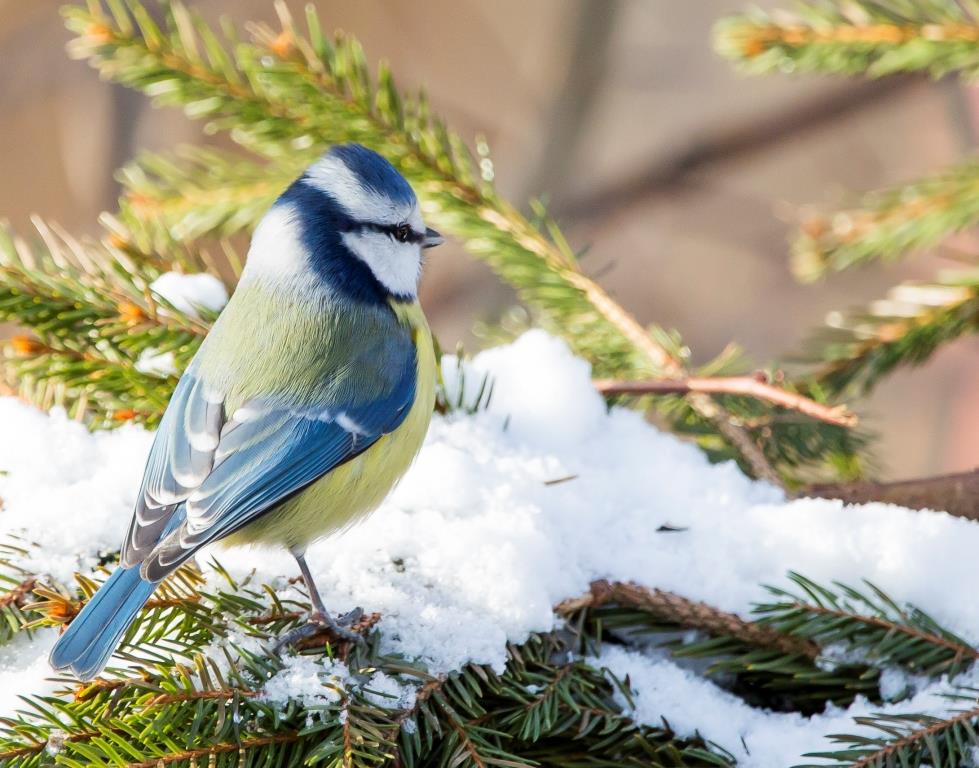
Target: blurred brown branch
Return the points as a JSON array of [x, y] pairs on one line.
[[722, 144], [957, 494]]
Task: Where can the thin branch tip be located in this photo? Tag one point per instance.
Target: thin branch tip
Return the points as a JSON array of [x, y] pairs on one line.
[[755, 385]]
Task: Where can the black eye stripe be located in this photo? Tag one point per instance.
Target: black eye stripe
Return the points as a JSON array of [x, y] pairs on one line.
[[391, 230]]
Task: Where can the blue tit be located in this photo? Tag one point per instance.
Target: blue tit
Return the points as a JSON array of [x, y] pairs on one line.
[[305, 404]]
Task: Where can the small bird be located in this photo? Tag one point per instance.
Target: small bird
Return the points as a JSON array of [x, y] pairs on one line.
[[305, 404]]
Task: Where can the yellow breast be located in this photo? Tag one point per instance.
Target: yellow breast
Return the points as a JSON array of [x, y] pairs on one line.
[[357, 487]]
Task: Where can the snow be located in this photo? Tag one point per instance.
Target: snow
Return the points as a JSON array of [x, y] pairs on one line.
[[385, 691], [758, 738], [24, 668], [66, 488], [475, 546], [190, 293], [155, 363], [308, 680]]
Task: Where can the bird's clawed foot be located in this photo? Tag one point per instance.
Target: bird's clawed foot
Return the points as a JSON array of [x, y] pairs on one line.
[[344, 628]]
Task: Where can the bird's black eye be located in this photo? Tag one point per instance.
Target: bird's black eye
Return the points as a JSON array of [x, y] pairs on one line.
[[402, 233]]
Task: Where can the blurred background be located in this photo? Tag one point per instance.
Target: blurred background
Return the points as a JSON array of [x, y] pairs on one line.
[[683, 178]]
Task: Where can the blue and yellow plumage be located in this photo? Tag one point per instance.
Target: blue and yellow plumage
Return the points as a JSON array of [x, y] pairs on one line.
[[306, 403]]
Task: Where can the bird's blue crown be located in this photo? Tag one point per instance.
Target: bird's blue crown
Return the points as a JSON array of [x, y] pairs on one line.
[[374, 172]]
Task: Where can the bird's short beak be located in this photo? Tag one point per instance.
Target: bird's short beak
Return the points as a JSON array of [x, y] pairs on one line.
[[432, 238]]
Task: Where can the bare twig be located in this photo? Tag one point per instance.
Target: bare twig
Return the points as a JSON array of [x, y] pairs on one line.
[[756, 386], [957, 494]]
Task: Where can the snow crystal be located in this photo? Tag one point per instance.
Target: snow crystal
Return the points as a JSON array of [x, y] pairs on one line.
[[475, 545], [191, 293]]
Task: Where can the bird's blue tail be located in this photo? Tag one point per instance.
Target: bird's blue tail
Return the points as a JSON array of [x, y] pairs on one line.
[[94, 634]]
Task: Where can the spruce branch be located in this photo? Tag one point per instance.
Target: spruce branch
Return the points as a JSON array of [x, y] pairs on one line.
[[779, 659], [888, 224], [185, 705], [907, 740], [475, 716], [857, 349], [17, 584], [867, 621], [862, 37], [199, 193], [763, 665], [92, 314]]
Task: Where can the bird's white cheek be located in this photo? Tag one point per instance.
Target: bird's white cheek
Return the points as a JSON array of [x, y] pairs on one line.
[[397, 266]]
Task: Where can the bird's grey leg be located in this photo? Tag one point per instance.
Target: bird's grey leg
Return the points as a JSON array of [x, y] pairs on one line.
[[314, 593], [320, 617]]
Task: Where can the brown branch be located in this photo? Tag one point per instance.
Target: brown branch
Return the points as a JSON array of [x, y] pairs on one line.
[[191, 755], [58, 740], [361, 627], [87, 691], [172, 602], [756, 386], [736, 434], [222, 694], [549, 689], [674, 609], [30, 749], [422, 694], [348, 747], [465, 741], [957, 494]]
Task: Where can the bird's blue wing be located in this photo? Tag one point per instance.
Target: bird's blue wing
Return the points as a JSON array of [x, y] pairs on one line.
[[210, 473]]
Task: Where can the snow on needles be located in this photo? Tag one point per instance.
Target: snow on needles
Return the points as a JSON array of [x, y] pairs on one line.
[[191, 293], [475, 547]]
